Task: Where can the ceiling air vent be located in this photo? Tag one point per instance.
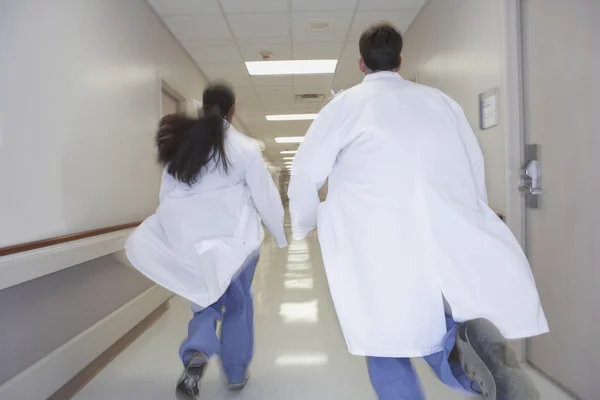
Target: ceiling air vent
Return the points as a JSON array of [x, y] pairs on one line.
[[310, 98]]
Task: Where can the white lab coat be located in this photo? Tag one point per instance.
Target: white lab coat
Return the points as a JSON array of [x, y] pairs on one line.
[[201, 235], [406, 221]]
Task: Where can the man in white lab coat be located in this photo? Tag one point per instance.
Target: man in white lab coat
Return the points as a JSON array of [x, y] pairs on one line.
[[417, 263]]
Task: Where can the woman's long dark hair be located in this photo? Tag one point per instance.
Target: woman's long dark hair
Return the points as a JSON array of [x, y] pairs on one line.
[[186, 145]]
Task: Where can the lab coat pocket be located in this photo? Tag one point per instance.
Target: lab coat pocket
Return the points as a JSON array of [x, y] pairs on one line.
[[220, 258]]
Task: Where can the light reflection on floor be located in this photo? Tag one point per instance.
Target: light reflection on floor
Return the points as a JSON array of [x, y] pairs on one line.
[[300, 352]]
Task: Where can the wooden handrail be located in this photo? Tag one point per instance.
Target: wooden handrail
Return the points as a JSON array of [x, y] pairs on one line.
[[40, 244]]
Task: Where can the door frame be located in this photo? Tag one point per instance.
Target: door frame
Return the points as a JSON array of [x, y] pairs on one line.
[[166, 89], [512, 105]]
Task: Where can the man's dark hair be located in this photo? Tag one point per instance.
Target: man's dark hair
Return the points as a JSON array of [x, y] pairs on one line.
[[380, 47]]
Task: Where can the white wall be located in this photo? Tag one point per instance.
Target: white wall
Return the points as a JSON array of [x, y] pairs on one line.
[[456, 46], [79, 104]]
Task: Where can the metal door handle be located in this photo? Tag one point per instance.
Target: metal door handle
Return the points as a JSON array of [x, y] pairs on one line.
[[530, 176], [530, 190]]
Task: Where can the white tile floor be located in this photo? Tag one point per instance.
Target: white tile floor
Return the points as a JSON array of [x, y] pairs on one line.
[[300, 352]]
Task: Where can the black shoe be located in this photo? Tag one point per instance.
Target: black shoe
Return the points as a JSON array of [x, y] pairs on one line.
[[491, 364], [188, 385]]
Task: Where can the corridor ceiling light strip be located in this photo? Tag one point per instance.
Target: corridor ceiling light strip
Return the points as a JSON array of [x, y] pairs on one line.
[[291, 67], [289, 139], [292, 117], [289, 152], [288, 158]]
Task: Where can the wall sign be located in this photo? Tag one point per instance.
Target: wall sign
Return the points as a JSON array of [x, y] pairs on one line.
[[488, 109]]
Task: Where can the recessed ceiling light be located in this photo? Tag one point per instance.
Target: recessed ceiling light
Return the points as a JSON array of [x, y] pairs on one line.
[[292, 117], [320, 25], [289, 139], [291, 67], [289, 152], [288, 158]]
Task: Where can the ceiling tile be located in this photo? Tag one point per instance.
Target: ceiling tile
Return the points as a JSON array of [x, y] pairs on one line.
[[308, 107], [351, 53], [280, 51], [318, 89], [259, 121], [198, 28], [250, 114], [293, 108], [230, 41], [323, 5], [270, 81], [254, 124], [377, 5], [259, 26], [255, 6], [214, 55], [362, 20], [339, 24], [291, 128], [317, 51], [349, 59], [275, 95], [348, 67], [178, 8], [258, 124], [320, 39], [247, 95], [240, 81], [264, 41], [251, 106], [224, 70], [312, 84], [347, 80]]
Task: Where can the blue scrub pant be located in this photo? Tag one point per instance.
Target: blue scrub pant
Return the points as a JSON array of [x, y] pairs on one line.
[[236, 310], [396, 379]]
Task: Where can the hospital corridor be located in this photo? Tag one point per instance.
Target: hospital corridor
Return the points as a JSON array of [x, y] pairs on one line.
[[150, 150]]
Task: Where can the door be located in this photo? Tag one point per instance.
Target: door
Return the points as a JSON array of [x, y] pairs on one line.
[[561, 72], [169, 104]]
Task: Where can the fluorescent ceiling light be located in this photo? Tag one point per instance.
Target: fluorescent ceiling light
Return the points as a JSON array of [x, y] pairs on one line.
[[291, 67], [288, 163], [289, 152], [288, 158], [292, 117], [289, 139]]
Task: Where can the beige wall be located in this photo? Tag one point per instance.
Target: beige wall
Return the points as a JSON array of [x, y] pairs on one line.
[[79, 103], [456, 46]]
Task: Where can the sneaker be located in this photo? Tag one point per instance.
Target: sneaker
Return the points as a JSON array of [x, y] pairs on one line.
[[188, 385], [491, 364], [236, 387]]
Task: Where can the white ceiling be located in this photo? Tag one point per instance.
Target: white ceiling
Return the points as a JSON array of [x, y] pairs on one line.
[[221, 34]]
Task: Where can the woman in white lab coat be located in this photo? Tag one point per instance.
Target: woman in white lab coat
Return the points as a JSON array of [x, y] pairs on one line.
[[203, 242], [406, 227]]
